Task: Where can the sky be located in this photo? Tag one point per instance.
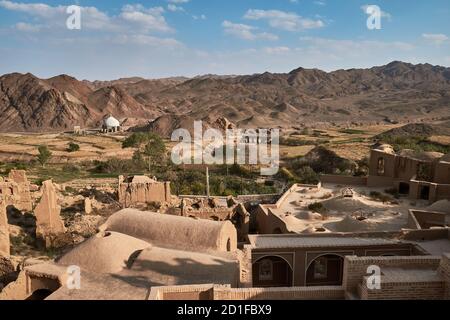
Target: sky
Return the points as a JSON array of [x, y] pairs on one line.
[[165, 38]]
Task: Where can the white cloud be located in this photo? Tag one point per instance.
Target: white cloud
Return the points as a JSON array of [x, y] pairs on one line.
[[352, 47], [436, 38], [277, 50], [136, 18], [288, 21], [246, 32], [147, 40], [174, 8], [200, 17], [320, 3], [150, 19], [27, 27], [178, 1]]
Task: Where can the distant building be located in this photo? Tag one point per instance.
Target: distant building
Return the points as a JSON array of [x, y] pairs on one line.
[[421, 175], [111, 125]]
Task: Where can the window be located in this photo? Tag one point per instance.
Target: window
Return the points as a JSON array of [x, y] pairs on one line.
[[380, 168], [320, 268], [266, 270]]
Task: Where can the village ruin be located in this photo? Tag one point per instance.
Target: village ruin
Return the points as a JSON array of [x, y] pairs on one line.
[[310, 242]]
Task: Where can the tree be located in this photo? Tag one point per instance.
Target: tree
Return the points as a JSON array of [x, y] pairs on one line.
[[73, 147], [44, 155], [136, 140], [155, 150]]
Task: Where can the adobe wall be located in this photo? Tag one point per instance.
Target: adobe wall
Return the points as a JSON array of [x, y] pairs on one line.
[[389, 163], [442, 192], [188, 292], [16, 190], [379, 181], [267, 222], [138, 193], [442, 173], [355, 268], [425, 219], [4, 230], [343, 180]]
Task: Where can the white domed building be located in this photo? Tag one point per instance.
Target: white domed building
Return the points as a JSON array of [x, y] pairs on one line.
[[111, 124]]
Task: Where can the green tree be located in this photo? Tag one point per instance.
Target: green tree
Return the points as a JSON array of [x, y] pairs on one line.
[[73, 147], [44, 155], [155, 150], [136, 140]]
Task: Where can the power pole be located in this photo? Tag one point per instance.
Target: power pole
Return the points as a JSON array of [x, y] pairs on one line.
[[207, 182]]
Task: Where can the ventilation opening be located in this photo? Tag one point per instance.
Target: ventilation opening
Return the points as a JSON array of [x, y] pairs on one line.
[[229, 245]]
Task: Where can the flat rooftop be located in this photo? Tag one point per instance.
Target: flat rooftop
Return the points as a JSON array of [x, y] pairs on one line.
[[295, 241]]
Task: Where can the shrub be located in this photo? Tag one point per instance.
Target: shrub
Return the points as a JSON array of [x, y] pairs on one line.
[[307, 175], [73, 147]]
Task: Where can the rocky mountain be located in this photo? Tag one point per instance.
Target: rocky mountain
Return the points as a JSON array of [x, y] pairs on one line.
[[397, 92]]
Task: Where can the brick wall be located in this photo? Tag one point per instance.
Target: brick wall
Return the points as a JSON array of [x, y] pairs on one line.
[[355, 268], [294, 293], [429, 290], [444, 270]]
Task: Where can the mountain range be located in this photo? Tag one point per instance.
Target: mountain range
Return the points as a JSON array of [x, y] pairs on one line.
[[397, 92]]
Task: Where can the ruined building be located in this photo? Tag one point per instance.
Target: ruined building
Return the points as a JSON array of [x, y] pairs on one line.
[[49, 225], [142, 189], [16, 190], [424, 175], [4, 230], [218, 209]]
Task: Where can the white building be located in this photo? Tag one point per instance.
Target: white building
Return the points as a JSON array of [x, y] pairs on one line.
[[111, 124]]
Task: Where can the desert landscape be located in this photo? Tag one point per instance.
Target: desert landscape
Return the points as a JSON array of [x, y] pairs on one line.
[[90, 150]]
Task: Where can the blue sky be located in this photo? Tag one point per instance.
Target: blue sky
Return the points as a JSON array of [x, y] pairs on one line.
[[162, 38]]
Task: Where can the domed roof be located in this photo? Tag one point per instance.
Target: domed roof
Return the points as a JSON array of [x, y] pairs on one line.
[[111, 122], [387, 148]]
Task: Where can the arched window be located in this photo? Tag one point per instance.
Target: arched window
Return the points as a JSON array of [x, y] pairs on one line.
[[266, 270], [321, 268], [380, 168]]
